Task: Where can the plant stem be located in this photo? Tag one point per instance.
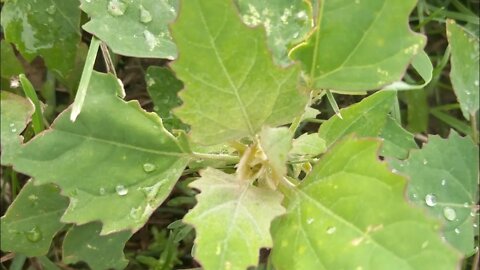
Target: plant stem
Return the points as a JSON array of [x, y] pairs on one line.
[[108, 59], [224, 157], [333, 103], [85, 79], [37, 119], [473, 122]]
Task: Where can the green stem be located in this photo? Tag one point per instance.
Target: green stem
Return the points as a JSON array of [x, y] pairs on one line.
[[37, 118], [108, 59], [333, 103], [224, 157], [85, 79], [473, 123]]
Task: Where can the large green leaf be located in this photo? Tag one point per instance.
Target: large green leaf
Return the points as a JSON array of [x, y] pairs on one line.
[[163, 87], [286, 22], [32, 220], [50, 29], [115, 156], [350, 213], [10, 65], [133, 28], [84, 243], [366, 118], [465, 71], [359, 45], [444, 175], [16, 112], [232, 220], [232, 87]]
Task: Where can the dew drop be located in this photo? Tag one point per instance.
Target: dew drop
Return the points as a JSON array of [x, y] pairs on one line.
[[149, 167], [135, 213], [430, 200], [145, 16], [449, 213], [310, 221], [34, 235], [476, 83], [14, 130], [11, 125], [444, 182], [425, 162], [424, 244], [331, 230], [51, 9], [466, 205], [116, 7], [121, 190], [101, 191], [457, 230], [475, 225]]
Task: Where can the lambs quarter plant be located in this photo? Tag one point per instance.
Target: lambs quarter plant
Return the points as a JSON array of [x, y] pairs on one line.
[[356, 193]]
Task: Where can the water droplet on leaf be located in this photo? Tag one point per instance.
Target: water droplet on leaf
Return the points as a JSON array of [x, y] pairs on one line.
[[430, 199], [116, 7], [444, 182], [149, 167], [150, 39], [449, 213], [51, 9], [145, 16], [34, 235], [457, 230], [14, 130], [121, 190], [310, 221], [101, 191]]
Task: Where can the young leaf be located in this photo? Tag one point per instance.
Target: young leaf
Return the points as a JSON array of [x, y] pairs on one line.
[[275, 143], [351, 206], [46, 28], [84, 243], [308, 145], [15, 114], [359, 45], [366, 118], [286, 22], [32, 220], [232, 220], [133, 28], [163, 87], [115, 156], [232, 87], [465, 67], [397, 142], [444, 175]]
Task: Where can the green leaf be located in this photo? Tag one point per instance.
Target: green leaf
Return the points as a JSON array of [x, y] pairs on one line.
[[308, 145], [397, 141], [10, 65], [50, 29], [163, 87], [422, 64], [84, 243], [232, 87], [465, 69], [16, 113], [366, 118], [232, 220], [32, 220], [133, 28], [286, 23], [444, 175], [275, 143], [359, 45], [115, 156], [351, 206]]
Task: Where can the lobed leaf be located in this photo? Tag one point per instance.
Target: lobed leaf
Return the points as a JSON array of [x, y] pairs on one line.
[[84, 243], [232, 220], [133, 28], [397, 142], [465, 68], [163, 87], [359, 45], [232, 87], [116, 162], [46, 28], [32, 220], [444, 180], [16, 113], [351, 206]]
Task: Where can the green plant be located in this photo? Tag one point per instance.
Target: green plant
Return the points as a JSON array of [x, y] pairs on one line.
[[316, 200]]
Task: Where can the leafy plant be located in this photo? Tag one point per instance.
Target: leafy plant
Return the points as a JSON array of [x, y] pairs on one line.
[[232, 120]]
